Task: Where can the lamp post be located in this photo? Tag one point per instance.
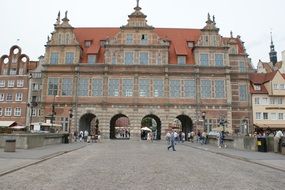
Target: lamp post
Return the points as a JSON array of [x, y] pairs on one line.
[[69, 124], [204, 121]]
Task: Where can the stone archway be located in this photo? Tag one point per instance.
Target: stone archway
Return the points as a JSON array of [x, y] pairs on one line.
[[89, 122], [154, 123], [187, 124], [119, 127]]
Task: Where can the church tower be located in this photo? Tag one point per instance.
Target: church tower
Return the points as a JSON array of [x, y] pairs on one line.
[[272, 53]]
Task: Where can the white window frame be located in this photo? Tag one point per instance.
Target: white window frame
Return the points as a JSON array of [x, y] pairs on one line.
[[8, 111], [11, 83], [20, 83], [258, 115], [19, 97], [17, 111], [273, 116], [2, 83]]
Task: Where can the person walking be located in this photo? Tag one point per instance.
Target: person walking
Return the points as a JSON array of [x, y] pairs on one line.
[[172, 141]]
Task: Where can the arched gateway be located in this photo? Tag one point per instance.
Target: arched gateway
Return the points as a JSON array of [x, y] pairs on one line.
[[186, 122], [119, 127], [153, 122], [89, 122]]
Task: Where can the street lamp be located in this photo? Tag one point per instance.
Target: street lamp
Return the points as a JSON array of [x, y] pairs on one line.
[[69, 124], [204, 121]]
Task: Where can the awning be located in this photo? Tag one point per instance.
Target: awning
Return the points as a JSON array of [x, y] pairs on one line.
[[271, 126], [4, 124]]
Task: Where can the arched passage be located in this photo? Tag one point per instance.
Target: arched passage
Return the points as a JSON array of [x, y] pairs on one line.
[[187, 124], [119, 127], [89, 122], [153, 122]]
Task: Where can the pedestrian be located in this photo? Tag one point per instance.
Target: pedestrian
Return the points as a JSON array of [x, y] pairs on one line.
[[204, 137], [80, 135], [167, 137], [85, 135], [172, 141], [182, 137], [75, 135]]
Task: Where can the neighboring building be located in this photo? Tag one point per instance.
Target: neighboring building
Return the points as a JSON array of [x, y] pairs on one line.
[[268, 100], [14, 86], [138, 71]]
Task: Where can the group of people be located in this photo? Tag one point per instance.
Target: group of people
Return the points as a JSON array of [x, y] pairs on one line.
[[122, 132], [84, 136], [172, 137], [202, 138]]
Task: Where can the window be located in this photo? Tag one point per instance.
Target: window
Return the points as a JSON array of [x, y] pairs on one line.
[[1, 111], [144, 39], [69, 57], [282, 86], [158, 59], [242, 67], [204, 59], [258, 115], [174, 89], [54, 58], [19, 97], [257, 87], [64, 123], [265, 116], [2, 83], [114, 59], [34, 112], [206, 89], [219, 89], [264, 101], [67, 41], [256, 100], [91, 59], [275, 86], [13, 71], [35, 87], [127, 87], [82, 87], [114, 87], [158, 88], [129, 58], [243, 93], [272, 101], [2, 97], [21, 71], [129, 39], [273, 116], [97, 87], [5, 71], [52, 86], [190, 88], [280, 116], [143, 58], [20, 83], [219, 59], [11, 83], [66, 87], [181, 60], [9, 97], [87, 43], [279, 100], [144, 87], [17, 112], [8, 111]]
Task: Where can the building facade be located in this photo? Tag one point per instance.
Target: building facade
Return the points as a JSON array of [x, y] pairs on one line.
[[137, 71]]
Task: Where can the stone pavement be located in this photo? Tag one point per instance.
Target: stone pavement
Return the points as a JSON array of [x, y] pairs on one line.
[[269, 159], [12, 161]]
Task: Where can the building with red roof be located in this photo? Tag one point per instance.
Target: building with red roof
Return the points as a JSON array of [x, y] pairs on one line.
[[137, 71]]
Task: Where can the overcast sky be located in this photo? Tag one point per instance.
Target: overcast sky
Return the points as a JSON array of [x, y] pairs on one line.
[[28, 22]]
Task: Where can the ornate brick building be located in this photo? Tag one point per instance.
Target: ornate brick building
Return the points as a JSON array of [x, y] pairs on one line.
[[138, 71]]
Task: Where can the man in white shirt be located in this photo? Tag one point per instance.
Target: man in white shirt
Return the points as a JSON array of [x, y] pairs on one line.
[[277, 139]]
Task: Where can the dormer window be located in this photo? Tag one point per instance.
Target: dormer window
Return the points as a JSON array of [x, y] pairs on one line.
[[144, 39], [275, 86], [87, 43], [257, 87], [190, 44]]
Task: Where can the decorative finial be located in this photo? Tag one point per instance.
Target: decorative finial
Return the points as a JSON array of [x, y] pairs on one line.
[[231, 34], [48, 38], [66, 14], [271, 36], [138, 2], [214, 19], [58, 18], [209, 17]]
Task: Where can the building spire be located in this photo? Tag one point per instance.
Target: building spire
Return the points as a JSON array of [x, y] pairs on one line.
[[138, 3], [272, 53]]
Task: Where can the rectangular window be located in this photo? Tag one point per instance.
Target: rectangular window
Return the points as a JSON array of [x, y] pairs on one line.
[[20, 83], [35, 87], [158, 88], [174, 88], [204, 59], [5, 71], [219, 59], [264, 101], [52, 86], [19, 97], [129, 38], [97, 87], [11, 83], [242, 67], [17, 112], [257, 87], [243, 96], [143, 58], [21, 71], [9, 97], [82, 87], [181, 60], [91, 59], [2, 83], [13, 71], [144, 39], [114, 59], [272, 101], [69, 57], [280, 116], [114, 87], [8, 111], [273, 116], [1, 111], [127, 87], [282, 86], [129, 58], [66, 87], [265, 116], [258, 115], [34, 112], [190, 88], [275, 86], [144, 87], [2, 97], [206, 89], [219, 89], [279, 100], [87, 43], [54, 58], [256, 100]]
